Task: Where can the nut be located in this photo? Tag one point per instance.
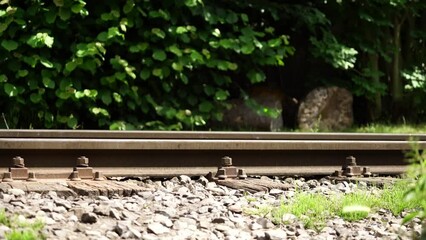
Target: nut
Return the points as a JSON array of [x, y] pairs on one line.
[[82, 161], [18, 162], [226, 161]]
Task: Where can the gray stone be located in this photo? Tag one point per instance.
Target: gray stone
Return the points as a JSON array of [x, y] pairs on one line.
[[102, 210], [135, 232], [275, 234], [16, 192], [158, 228], [114, 214], [88, 218], [235, 208], [184, 179]]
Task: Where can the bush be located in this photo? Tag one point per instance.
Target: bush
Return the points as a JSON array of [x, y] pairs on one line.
[[130, 64]]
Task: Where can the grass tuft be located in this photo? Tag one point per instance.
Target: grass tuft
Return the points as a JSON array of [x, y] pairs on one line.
[[21, 230]]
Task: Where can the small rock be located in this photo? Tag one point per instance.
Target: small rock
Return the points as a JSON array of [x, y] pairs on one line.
[[88, 218], [135, 232], [265, 223], [114, 214], [219, 220], [255, 226], [157, 228], [16, 192], [184, 179], [288, 218], [275, 234], [235, 208], [102, 210], [275, 191]]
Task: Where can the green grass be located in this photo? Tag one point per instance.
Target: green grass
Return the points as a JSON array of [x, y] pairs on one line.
[[311, 209], [21, 230], [389, 128], [314, 209]]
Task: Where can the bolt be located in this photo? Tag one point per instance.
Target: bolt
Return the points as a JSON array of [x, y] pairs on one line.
[[351, 161], [18, 162], [7, 177], [226, 161], [75, 176], [242, 173], [82, 161], [366, 171], [337, 173], [99, 176], [31, 177], [349, 172], [221, 174]]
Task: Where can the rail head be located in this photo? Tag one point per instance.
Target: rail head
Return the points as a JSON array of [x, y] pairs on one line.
[[192, 135], [201, 144]]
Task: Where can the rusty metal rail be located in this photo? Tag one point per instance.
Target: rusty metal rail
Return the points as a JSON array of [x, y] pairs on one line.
[[53, 153]]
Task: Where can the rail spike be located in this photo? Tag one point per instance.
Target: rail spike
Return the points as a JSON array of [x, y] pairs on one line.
[[18, 169], [83, 169], [351, 169]]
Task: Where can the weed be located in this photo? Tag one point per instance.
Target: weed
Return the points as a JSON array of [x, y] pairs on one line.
[[417, 189], [20, 228]]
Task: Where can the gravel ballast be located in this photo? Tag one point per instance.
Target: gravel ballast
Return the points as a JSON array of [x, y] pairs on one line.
[[183, 208]]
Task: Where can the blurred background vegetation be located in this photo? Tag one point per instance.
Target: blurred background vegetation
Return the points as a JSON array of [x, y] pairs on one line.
[[172, 65]]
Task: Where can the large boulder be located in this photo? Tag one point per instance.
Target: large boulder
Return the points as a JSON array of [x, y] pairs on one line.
[[326, 109]]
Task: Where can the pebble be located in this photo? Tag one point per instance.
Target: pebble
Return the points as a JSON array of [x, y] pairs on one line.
[[194, 208]]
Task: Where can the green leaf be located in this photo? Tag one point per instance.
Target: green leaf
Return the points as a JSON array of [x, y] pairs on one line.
[[48, 83], [58, 3], [32, 61], [64, 13], [145, 74], [209, 90], [183, 78], [181, 29], [103, 36], [177, 66], [35, 97], [22, 73], [9, 45], [158, 72], [158, 32], [106, 97], [128, 6], [3, 78], [159, 55], [174, 49], [231, 18], [244, 17], [10, 90], [221, 95], [40, 40], [50, 16], [255, 76], [72, 122], [46, 63], [205, 107], [247, 48], [276, 42], [117, 97], [70, 66], [76, 8]]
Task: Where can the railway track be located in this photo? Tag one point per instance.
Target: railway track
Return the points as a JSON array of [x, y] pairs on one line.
[[53, 153]]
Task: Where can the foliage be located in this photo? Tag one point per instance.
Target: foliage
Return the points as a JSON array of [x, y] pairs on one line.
[[130, 64], [314, 209], [20, 228], [389, 128], [417, 190]]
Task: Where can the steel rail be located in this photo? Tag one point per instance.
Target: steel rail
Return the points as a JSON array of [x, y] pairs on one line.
[[53, 153]]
